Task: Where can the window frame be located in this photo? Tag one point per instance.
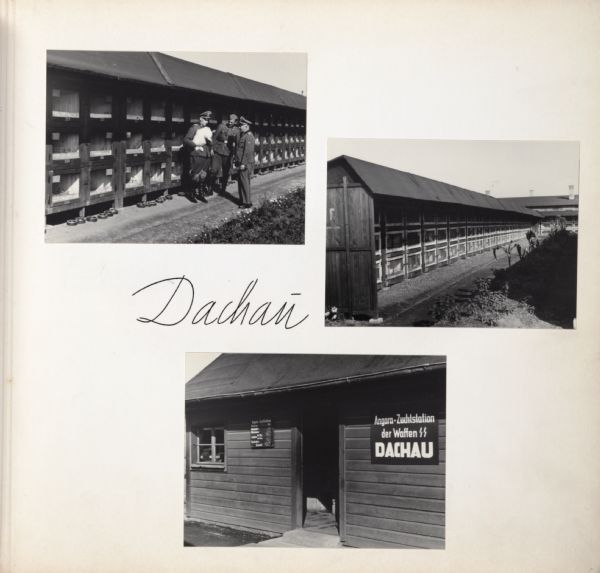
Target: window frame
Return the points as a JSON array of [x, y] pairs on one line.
[[196, 444]]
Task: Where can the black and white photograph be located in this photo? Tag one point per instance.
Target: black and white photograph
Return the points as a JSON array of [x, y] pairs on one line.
[[152, 147], [315, 450], [452, 233]]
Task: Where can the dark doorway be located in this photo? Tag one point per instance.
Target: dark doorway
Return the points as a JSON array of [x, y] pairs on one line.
[[321, 473]]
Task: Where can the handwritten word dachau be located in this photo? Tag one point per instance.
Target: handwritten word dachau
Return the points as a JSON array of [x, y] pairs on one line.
[[180, 302]]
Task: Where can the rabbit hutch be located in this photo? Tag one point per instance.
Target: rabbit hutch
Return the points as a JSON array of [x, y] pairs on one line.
[[116, 121], [385, 226]]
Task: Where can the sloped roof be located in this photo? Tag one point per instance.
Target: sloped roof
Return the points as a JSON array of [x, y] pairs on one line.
[[164, 70], [536, 201], [559, 213], [138, 66], [236, 375], [390, 182]]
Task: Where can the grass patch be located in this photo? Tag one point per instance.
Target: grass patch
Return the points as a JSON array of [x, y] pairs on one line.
[[485, 308], [277, 221], [540, 288], [545, 279]]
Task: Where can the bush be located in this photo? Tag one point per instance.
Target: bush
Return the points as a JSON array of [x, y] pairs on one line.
[[484, 306], [276, 221], [545, 279]]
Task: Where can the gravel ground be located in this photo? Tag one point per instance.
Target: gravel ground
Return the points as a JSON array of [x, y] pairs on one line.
[[196, 534], [174, 221]]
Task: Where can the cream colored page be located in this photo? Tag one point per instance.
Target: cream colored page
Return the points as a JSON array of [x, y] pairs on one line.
[[97, 400]]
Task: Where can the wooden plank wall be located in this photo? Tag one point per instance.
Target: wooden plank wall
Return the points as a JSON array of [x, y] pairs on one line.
[[254, 492], [107, 129], [391, 505]]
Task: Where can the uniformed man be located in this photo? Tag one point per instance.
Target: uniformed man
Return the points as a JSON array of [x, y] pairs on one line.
[[198, 141], [244, 156], [224, 144], [233, 138]]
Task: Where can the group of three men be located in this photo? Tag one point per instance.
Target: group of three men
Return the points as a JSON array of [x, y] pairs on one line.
[[211, 154]]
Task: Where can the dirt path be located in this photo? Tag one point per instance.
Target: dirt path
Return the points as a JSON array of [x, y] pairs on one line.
[[174, 221], [408, 303]]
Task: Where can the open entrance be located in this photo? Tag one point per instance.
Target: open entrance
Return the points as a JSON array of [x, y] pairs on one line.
[[320, 472]]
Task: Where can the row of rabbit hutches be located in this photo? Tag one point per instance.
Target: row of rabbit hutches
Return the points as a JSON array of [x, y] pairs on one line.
[[354, 443], [116, 123], [385, 226]]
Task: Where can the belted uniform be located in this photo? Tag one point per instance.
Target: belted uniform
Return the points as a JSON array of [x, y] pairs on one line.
[[245, 160]]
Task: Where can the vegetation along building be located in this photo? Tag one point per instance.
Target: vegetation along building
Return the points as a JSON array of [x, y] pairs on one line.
[[116, 122], [385, 226], [353, 443]]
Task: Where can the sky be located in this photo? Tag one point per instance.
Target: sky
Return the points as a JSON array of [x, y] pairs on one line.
[[506, 168], [197, 361], [284, 70]]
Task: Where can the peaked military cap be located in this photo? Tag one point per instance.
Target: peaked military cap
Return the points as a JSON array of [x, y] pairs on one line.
[[245, 121]]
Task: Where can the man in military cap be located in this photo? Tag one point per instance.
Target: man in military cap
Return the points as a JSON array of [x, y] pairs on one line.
[[224, 143], [198, 141], [244, 156]]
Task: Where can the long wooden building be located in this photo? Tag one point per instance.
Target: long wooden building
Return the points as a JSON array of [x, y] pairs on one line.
[[116, 121], [385, 226], [555, 209], [272, 440]]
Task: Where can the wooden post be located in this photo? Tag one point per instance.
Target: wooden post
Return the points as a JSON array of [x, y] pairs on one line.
[[49, 175], [296, 479], [188, 468], [466, 234], [118, 173], [349, 276], [342, 484], [448, 240], [405, 245], [169, 162], [84, 181], [383, 247], [146, 146], [422, 215]]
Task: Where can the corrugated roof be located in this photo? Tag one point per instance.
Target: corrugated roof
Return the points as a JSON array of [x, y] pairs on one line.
[[164, 70], [390, 182], [547, 201], [233, 375]]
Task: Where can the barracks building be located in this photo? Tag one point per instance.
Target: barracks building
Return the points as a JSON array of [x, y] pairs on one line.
[[351, 446], [553, 208]]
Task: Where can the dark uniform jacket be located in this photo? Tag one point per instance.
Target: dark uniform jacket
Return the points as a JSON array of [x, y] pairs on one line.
[[233, 138], [245, 150], [220, 140]]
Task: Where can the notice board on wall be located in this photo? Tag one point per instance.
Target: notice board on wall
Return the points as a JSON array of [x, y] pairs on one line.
[[261, 433]]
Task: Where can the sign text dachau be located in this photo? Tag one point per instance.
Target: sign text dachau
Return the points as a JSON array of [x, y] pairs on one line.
[[405, 439]]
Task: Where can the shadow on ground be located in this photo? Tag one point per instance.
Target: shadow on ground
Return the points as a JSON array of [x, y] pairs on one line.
[[197, 534]]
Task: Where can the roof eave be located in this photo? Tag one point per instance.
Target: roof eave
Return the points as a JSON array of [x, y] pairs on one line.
[[325, 383]]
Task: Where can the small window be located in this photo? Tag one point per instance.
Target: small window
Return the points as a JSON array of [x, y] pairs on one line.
[[208, 447]]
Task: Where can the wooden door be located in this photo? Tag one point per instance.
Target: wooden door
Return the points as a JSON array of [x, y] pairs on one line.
[[350, 273]]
